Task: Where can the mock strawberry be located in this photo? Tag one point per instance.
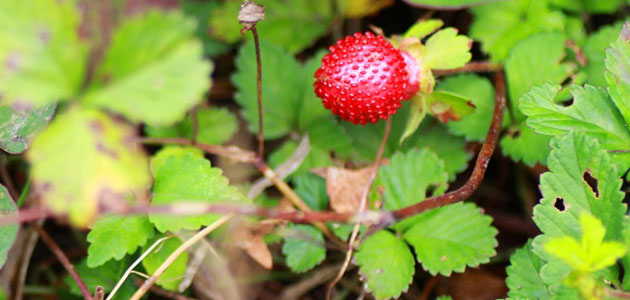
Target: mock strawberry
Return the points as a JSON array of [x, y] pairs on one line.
[[364, 78]]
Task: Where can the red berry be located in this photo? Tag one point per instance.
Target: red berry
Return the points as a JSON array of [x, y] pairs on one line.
[[364, 78]]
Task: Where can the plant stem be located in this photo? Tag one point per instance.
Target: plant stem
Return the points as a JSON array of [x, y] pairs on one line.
[[64, 261], [160, 270], [261, 140], [6, 178], [362, 206]]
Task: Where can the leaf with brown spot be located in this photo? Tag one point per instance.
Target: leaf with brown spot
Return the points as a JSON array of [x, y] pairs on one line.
[[345, 187], [448, 106]]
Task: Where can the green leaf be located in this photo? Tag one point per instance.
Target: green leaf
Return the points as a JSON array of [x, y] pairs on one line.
[[311, 108], [595, 51], [174, 274], [417, 113], [327, 134], [312, 189], [17, 128], [304, 248], [153, 70], [315, 158], [115, 237], [618, 72], [500, 25], [589, 6], [526, 66], [423, 28], [445, 244], [446, 50], [592, 112], [106, 275], [591, 253], [8, 233], [447, 4], [581, 179], [84, 159], [201, 11], [523, 273], [182, 175], [386, 264], [41, 58], [449, 148], [447, 106], [522, 143], [295, 25], [479, 90], [215, 126]]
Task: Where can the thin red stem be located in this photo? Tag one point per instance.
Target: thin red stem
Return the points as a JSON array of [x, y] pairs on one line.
[[261, 140]]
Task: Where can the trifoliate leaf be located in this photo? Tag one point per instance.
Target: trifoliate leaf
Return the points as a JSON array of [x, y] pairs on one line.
[[581, 179], [362, 8], [312, 189], [116, 236], [42, 59], [386, 264], [153, 70], [174, 274], [518, 19], [448, 106], [523, 273], [446, 4], [8, 233], [445, 244], [17, 128], [479, 90], [215, 126], [304, 248], [618, 72], [522, 143], [106, 275], [589, 6], [315, 158], [592, 112], [446, 50], [595, 51], [590, 253], [294, 25], [525, 67], [100, 163], [185, 176]]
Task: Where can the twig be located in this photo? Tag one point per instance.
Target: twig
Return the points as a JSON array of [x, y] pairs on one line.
[[133, 266], [6, 178], [64, 261], [480, 165], [261, 140], [428, 287], [477, 66], [162, 292], [194, 239], [31, 242], [232, 152], [617, 294], [362, 206], [99, 293]]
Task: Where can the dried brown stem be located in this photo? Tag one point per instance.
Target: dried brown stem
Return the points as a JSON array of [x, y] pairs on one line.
[[64, 261], [162, 292], [480, 165], [261, 140], [477, 67], [362, 206]]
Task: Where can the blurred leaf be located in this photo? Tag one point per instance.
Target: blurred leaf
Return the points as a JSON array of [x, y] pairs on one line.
[[84, 159], [500, 26], [8, 233], [590, 253], [385, 264], [201, 11], [174, 274], [618, 72], [115, 237], [362, 8], [447, 4], [106, 275], [182, 175], [315, 158], [595, 51], [479, 90], [215, 126], [448, 106], [327, 134], [153, 70], [312, 189], [526, 67], [446, 50], [292, 24], [17, 128], [311, 107], [444, 244], [522, 143], [523, 273], [589, 6], [304, 248], [592, 112], [42, 60]]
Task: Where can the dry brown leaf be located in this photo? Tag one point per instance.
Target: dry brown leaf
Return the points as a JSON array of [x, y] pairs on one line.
[[254, 245], [345, 187]]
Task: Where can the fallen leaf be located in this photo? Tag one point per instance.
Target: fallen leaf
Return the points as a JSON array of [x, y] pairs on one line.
[[254, 245], [345, 187]]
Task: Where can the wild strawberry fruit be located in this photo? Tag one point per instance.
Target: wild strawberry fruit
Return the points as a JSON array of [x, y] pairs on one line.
[[364, 78]]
